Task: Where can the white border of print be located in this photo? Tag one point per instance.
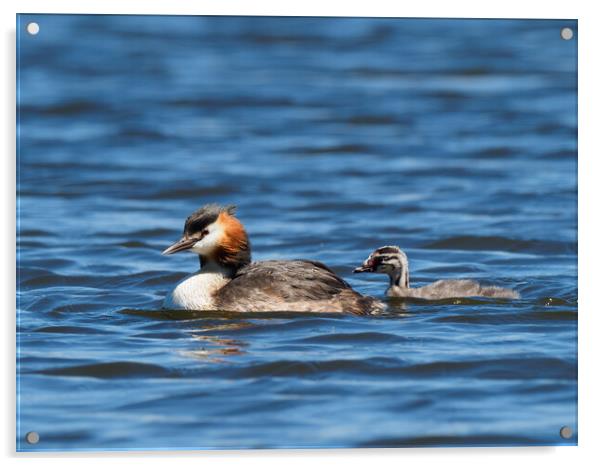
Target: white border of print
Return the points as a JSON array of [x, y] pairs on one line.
[[590, 194]]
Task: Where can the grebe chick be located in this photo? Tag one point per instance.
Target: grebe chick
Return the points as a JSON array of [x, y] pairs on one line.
[[392, 261], [229, 281]]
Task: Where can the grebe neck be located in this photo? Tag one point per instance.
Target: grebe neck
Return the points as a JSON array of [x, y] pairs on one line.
[[400, 277], [210, 266]]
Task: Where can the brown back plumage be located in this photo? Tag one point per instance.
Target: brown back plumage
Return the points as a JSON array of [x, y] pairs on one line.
[[295, 285]]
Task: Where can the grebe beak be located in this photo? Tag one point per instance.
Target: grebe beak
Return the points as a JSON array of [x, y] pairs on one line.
[[367, 266], [181, 245]]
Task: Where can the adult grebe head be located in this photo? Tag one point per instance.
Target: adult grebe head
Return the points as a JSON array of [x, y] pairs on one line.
[[216, 235]]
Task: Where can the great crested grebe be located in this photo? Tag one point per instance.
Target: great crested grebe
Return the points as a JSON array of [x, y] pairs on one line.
[[392, 261], [229, 281]]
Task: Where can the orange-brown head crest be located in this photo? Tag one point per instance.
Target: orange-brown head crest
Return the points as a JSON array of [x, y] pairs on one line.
[[234, 248]]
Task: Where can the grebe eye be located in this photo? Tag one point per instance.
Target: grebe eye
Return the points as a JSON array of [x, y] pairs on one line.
[[204, 233]]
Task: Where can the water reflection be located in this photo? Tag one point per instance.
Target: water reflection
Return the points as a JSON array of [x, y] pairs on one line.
[[214, 346]]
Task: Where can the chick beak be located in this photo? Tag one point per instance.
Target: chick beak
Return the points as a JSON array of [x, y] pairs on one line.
[[181, 245], [367, 266]]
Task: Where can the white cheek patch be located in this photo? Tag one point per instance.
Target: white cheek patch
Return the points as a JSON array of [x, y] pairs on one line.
[[208, 244]]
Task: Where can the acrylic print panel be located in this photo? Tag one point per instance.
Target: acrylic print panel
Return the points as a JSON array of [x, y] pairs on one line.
[[455, 140]]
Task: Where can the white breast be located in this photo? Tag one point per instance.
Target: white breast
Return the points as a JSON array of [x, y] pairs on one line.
[[196, 291]]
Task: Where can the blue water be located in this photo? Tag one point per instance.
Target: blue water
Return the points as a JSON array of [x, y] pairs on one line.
[[455, 139]]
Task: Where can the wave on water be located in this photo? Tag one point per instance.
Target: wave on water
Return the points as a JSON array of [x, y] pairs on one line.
[[499, 243], [502, 369], [111, 370]]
